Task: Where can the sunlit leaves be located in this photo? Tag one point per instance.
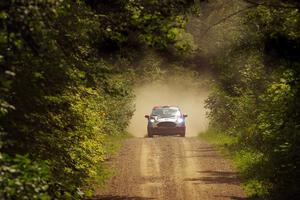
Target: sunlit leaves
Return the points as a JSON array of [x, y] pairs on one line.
[[56, 104], [22, 178]]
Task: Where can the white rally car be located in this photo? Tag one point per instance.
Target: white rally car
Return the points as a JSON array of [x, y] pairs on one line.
[[166, 120]]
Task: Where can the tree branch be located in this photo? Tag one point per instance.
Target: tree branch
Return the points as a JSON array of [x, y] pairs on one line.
[[227, 17], [272, 5]]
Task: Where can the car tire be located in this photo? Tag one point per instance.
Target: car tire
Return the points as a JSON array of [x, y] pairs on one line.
[[182, 134], [150, 135]]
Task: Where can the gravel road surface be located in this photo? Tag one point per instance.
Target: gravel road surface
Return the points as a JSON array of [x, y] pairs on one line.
[[171, 168]]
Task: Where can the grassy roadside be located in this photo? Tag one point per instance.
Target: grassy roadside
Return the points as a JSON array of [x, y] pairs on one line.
[[246, 161], [112, 145]]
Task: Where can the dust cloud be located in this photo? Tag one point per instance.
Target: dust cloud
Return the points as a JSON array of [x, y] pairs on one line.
[[182, 93]]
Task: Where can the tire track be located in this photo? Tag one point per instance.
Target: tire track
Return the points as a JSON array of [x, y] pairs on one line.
[[150, 169]]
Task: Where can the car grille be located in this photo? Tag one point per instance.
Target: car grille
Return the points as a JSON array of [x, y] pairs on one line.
[[166, 124]]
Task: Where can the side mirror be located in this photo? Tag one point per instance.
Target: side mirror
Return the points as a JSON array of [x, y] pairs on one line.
[[185, 115], [147, 116]]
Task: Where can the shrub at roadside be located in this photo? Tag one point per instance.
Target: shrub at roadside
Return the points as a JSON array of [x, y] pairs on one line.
[[23, 179]]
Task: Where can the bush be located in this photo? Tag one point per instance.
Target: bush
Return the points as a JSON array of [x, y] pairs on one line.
[[23, 179]]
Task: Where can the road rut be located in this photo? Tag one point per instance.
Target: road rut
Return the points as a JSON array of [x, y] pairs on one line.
[[171, 168]]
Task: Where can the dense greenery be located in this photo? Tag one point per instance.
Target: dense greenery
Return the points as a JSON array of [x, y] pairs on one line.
[[257, 98], [66, 87]]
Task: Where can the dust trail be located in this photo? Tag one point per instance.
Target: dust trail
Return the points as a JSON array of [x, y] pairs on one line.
[[182, 93]]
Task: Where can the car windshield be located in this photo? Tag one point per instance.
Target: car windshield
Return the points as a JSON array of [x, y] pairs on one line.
[[166, 112]]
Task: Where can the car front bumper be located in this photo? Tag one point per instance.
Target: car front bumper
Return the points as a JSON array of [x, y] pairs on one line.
[[166, 130]]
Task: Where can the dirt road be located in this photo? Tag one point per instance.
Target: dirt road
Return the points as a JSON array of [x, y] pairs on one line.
[[171, 168]]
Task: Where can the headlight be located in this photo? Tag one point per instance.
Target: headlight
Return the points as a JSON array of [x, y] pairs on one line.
[[152, 120], [180, 120]]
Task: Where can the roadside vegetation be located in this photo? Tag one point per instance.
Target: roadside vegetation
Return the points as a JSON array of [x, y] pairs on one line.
[[245, 160], [254, 107]]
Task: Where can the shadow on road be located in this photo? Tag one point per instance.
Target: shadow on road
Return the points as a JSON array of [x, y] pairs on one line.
[[216, 177], [206, 149], [232, 197], [113, 197]]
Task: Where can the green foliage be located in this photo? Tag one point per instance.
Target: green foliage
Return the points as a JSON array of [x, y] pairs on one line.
[[256, 99], [154, 23], [22, 178]]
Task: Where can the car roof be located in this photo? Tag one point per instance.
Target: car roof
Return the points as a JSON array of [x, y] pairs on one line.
[[165, 106]]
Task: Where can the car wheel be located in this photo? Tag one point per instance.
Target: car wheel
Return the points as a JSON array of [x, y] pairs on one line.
[[150, 135], [182, 134]]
